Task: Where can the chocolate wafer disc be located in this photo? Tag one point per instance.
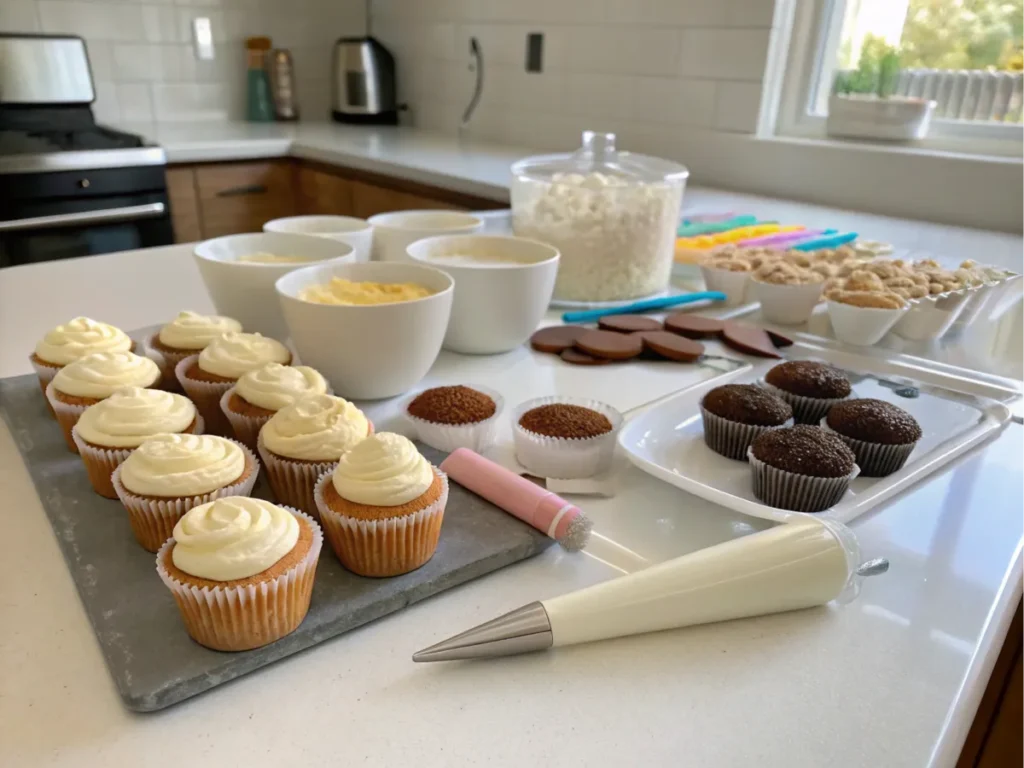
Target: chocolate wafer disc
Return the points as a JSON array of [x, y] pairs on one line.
[[693, 326], [576, 357], [556, 338], [610, 345], [750, 340], [779, 340], [628, 323], [671, 346]]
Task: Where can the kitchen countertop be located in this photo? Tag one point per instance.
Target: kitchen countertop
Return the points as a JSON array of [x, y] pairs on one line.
[[890, 680]]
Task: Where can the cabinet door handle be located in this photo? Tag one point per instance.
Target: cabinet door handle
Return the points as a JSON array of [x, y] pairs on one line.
[[248, 189]]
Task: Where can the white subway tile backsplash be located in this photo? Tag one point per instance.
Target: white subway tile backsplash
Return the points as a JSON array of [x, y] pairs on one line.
[[738, 106], [160, 25], [624, 50], [190, 102], [18, 16], [134, 101], [105, 107], [674, 100], [730, 54], [93, 21]]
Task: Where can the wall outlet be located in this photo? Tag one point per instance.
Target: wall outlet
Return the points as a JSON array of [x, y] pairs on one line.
[[202, 34], [535, 52]]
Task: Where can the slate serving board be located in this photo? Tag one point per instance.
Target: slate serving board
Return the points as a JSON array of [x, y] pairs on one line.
[[152, 660]]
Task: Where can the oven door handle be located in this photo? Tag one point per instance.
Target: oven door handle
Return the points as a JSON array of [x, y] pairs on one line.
[[108, 216]]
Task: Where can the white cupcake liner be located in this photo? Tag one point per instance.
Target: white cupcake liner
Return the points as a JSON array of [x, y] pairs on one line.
[[565, 458], [292, 481], [735, 285], [799, 493], [45, 373], [153, 519], [244, 617], [246, 428], [388, 547], [206, 395], [477, 436], [100, 463], [67, 415], [167, 361], [806, 410], [874, 459], [731, 438]]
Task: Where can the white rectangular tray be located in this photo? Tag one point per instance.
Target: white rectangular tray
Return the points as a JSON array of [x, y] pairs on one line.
[[667, 441]]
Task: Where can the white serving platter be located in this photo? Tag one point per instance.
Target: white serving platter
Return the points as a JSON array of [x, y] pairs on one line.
[[667, 440]]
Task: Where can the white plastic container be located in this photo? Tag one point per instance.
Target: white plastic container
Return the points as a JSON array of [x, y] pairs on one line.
[[896, 118], [862, 326], [787, 304], [734, 285], [612, 215]]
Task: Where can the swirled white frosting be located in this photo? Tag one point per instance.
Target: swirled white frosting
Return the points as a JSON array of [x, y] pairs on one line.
[[132, 414], [316, 428], [78, 338], [384, 470], [182, 465], [273, 386], [233, 537], [100, 374], [233, 354], [190, 330]]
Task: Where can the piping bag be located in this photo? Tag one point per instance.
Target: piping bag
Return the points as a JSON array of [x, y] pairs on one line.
[[791, 566]]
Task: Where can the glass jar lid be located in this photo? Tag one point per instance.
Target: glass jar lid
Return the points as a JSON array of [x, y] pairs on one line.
[[598, 155]]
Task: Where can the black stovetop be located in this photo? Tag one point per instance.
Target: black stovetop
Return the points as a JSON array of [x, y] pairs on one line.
[[40, 130]]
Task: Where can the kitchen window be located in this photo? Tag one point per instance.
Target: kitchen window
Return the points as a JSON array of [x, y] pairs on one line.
[[966, 55]]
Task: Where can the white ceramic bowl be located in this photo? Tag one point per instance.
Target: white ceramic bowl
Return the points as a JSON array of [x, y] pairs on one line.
[[862, 326], [786, 304], [394, 232], [245, 291], [503, 286], [356, 232], [368, 352]]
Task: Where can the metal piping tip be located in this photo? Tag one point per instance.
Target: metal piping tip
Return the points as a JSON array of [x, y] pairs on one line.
[[523, 630]]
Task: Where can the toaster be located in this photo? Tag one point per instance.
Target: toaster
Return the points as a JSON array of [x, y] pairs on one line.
[[363, 82]]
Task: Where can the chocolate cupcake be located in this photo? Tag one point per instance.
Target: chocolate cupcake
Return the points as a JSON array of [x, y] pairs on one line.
[[810, 388], [565, 437], [802, 468], [881, 435], [735, 414], [447, 418]]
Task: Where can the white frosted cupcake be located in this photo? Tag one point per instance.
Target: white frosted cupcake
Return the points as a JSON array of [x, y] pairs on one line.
[[72, 341], [382, 507], [167, 475], [241, 571], [262, 392], [92, 378], [187, 334], [303, 440], [208, 375], [106, 433]]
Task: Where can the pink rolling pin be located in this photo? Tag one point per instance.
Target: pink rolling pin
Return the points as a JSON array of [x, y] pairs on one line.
[[551, 514]]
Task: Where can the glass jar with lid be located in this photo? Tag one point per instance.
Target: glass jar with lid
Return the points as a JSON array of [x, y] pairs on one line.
[[612, 215]]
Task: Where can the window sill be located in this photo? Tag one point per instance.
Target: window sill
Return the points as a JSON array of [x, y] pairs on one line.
[[887, 148]]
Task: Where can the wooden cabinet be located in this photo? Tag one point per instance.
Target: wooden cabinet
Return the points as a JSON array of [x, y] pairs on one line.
[[240, 197], [370, 199], [181, 191], [323, 194]]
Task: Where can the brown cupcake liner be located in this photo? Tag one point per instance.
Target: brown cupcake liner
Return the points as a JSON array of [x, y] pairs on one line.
[[245, 617], [153, 520], [388, 547], [247, 428], [291, 481], [67, 415], [100, 463], [799, 493], [45, 373], [875, 459], [167, 361], [731, 438], [206, 395], [806, 410]]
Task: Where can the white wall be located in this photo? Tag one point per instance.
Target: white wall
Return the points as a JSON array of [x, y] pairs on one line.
[[142, 58]]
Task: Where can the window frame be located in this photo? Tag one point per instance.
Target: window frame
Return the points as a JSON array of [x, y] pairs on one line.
[[810, 31]]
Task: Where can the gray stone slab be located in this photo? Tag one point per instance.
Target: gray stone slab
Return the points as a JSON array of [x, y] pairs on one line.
[[152, 660]]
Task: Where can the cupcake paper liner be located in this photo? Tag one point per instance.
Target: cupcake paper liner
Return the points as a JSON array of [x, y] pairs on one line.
[[875, 459], [388, 547], [293, 481], [806, 410], [247, 428], [67, 415], [100, 463], [731, 438], [565, 458], [153, 520], [206, 395], [799, 493], [477, 436], [45, 374], [167, 361], [245, 617]]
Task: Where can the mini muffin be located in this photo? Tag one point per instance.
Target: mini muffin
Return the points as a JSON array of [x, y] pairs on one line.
[[810, 388], [382, 506], [187, 334], [88, 380], [881, 435], [802, 468], [74, 340], [241, 571], [735, 414], [262, 392], [106, 433], [302, 441], [167, 475], [563, 437], [207, 376], [447, 418]]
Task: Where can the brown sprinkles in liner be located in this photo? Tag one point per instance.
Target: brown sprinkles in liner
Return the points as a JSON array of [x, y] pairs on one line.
[[804, 450], [747, 404], [809, 379], [874, 421], [452, 405], [565, 421]]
